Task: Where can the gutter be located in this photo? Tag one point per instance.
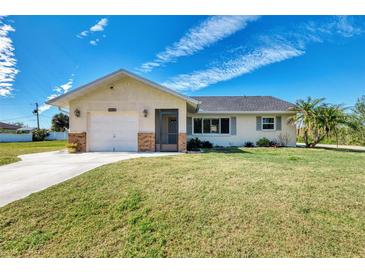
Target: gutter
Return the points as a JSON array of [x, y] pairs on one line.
[[247, 112]]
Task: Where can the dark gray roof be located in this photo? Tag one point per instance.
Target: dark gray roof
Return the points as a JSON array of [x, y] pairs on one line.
[[242, 103], [8, 126]]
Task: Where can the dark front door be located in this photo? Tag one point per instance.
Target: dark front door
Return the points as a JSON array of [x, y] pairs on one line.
[[167, 130]]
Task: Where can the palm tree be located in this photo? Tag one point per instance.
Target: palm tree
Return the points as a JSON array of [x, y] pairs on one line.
[[306, 118], [357, 121], [328, 121]]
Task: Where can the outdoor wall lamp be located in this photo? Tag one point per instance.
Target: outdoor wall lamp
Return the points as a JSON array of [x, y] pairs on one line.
[[77, 112], [145, 112]]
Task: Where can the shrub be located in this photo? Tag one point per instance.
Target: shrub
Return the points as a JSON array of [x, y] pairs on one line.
[[248, 144], [263, 142], [273, 143], [40, 134], [195, 144], [72, 147], [206, 144]]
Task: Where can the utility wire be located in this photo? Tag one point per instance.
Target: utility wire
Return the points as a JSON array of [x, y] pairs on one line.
[[16, 118]]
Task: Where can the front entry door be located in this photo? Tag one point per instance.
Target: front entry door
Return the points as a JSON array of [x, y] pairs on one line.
[[167, 130]]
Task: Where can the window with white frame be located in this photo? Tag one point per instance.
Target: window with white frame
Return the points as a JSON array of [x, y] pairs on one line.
[[268, 123], [211, 126]]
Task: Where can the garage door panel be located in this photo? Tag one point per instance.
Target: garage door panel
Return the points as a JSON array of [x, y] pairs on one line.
[[113, 132]]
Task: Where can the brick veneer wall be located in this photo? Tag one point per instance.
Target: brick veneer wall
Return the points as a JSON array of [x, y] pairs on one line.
[[182, 142], [146, 142], [78, 138]]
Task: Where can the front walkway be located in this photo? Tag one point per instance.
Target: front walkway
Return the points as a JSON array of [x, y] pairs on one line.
[[41, 170], [344, 147]]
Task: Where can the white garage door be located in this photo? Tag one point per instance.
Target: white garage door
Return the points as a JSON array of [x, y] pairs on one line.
[[112, 131]]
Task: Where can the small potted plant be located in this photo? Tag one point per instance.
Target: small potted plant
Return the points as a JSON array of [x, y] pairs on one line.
[[72, 147]]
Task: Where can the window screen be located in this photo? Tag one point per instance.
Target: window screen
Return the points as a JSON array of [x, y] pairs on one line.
[[197, 126], [225, 125]]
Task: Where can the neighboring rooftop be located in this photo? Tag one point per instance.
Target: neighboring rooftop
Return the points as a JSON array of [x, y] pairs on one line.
[[26, 128], [8, 126], [242, 103]]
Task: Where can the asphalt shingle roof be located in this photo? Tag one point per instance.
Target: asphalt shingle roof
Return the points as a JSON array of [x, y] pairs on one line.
[[242, 103], [8, 126]]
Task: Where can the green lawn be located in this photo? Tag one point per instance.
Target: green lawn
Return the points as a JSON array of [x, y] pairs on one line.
[[10, 151], [246, 203]]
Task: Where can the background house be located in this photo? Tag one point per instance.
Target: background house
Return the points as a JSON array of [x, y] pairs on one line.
[[8, 128]]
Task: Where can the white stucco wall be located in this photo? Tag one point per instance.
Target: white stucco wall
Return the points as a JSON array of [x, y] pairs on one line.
[[246, 130], [127, 95]]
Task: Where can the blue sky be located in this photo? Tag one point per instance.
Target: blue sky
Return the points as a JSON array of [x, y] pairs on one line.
[[290, 57]]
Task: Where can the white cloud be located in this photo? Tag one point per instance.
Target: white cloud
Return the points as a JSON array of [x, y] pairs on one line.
[[58, 90], [83, 34], [210, 31], [345, 27], [66, 87], [233, 68], [94, 42], [8, 69], [272, 49], [98, 27], [44, 108]]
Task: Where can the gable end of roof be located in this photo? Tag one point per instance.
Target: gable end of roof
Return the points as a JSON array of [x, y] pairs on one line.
[[120, 72]]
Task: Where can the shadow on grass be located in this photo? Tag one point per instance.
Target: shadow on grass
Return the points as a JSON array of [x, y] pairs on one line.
[[335, 149], [227, 150], [341, 149]]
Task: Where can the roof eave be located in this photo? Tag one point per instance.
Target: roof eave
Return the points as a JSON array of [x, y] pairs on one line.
[[248, 112]]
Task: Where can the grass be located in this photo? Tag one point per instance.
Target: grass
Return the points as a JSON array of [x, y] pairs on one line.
[[10, 151], [288, 202], [343, 139]]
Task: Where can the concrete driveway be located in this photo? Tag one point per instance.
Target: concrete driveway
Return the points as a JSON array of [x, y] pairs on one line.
[[40, 170]]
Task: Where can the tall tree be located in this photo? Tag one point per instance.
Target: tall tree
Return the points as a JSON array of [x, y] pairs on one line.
[[60, 122]]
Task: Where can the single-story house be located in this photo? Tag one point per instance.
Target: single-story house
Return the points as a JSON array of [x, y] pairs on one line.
[[125, 112], [10, 128]]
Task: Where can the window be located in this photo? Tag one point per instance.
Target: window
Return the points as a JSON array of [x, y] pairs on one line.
[[268, 123], [197, 125], [214, 126], [224, 125], [211, 126], [206, 125]]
